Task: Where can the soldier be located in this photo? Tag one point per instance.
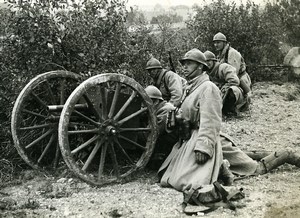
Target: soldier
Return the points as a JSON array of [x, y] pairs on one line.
[[166, 139], [225, 77], [199, 152], [227, 54], [169, 83], [245, 164]]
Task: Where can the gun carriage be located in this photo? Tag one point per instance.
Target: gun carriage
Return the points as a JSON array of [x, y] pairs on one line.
[[102, 127]]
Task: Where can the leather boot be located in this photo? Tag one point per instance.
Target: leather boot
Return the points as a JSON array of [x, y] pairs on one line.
[[225, 174], [277, 159], [294, 159], [258, 155]]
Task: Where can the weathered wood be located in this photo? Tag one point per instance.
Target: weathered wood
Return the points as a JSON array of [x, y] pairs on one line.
[[118, 154], [31, 119]]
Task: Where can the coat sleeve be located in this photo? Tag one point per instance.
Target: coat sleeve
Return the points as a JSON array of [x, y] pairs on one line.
[[161, 116], [229, 75], [210, 117], [234, 59], [175, 87]]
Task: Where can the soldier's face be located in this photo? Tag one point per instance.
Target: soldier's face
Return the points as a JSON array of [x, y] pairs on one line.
[[210, 64], [219, 45], [190, 69], [153, 73]]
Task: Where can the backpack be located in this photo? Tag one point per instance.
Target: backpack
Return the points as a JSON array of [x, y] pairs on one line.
[[210, 197]]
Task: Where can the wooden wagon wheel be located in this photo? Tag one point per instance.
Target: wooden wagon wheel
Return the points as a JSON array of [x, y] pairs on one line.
[[114, 135], [36, 114]]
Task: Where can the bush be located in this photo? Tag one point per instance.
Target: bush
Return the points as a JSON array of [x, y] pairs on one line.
[[91, 37]]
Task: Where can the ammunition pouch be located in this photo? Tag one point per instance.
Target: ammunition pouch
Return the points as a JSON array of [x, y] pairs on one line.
[[184, 127], [171, 120]]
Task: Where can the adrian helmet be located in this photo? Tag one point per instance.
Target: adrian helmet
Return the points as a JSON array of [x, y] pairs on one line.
[[153, 92], [195, 55], [210, 56], [153, 63], [219, 37]]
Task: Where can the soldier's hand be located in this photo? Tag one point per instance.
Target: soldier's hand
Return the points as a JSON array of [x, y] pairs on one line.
[[201, 158]]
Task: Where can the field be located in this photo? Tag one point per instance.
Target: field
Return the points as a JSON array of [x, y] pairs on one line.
[[272, 123]]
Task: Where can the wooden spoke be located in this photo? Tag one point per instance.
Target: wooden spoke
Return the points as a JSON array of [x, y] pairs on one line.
[[135, 129], [84, 145], [103, 102], [86, 118], [92, 154], [132, 116], [133, 142], [120, 102], [91, 106], [34, 113], [102, 160], [49, 90], [42, 126], [123, 151], [114, 159], [52, 138], [39, 100], [39, 138], [114, 101], [83, 131], [34, 125], [129, 100]]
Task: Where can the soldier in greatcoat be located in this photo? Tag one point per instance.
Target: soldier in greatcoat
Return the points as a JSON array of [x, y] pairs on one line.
[[168, 82], [225, 77], [166, 139], [227, 54], [196, 160]]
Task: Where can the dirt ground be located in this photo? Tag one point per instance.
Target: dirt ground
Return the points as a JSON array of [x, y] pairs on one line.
[[271, 124]]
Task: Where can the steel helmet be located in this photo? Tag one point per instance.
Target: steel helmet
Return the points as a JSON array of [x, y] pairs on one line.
[[153, 92], [210, 56], [220, 37], [195, 55], [153, 63]]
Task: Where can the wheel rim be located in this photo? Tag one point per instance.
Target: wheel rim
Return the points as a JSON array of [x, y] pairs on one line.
[[33, 125], [103, 142]]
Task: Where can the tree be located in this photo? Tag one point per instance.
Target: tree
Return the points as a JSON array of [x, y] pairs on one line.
[[241, 24], [134, 16], [284, 17]]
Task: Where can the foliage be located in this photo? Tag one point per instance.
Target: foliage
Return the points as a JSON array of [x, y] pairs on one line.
[[240, 23], [91, 37], [87, 37]]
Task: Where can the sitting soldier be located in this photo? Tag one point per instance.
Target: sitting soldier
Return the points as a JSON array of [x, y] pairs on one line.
[[170, 84], [166, 139], [225, 77], [227, 54]]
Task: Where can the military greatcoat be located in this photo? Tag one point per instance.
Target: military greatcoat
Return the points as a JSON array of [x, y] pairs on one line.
[[202, 107]]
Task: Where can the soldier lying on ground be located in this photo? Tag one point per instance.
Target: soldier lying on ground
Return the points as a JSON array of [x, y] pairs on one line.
[[241, 163], [245, 164]]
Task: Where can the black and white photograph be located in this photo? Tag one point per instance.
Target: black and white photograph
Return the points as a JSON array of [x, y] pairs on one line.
[[149, 109]]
